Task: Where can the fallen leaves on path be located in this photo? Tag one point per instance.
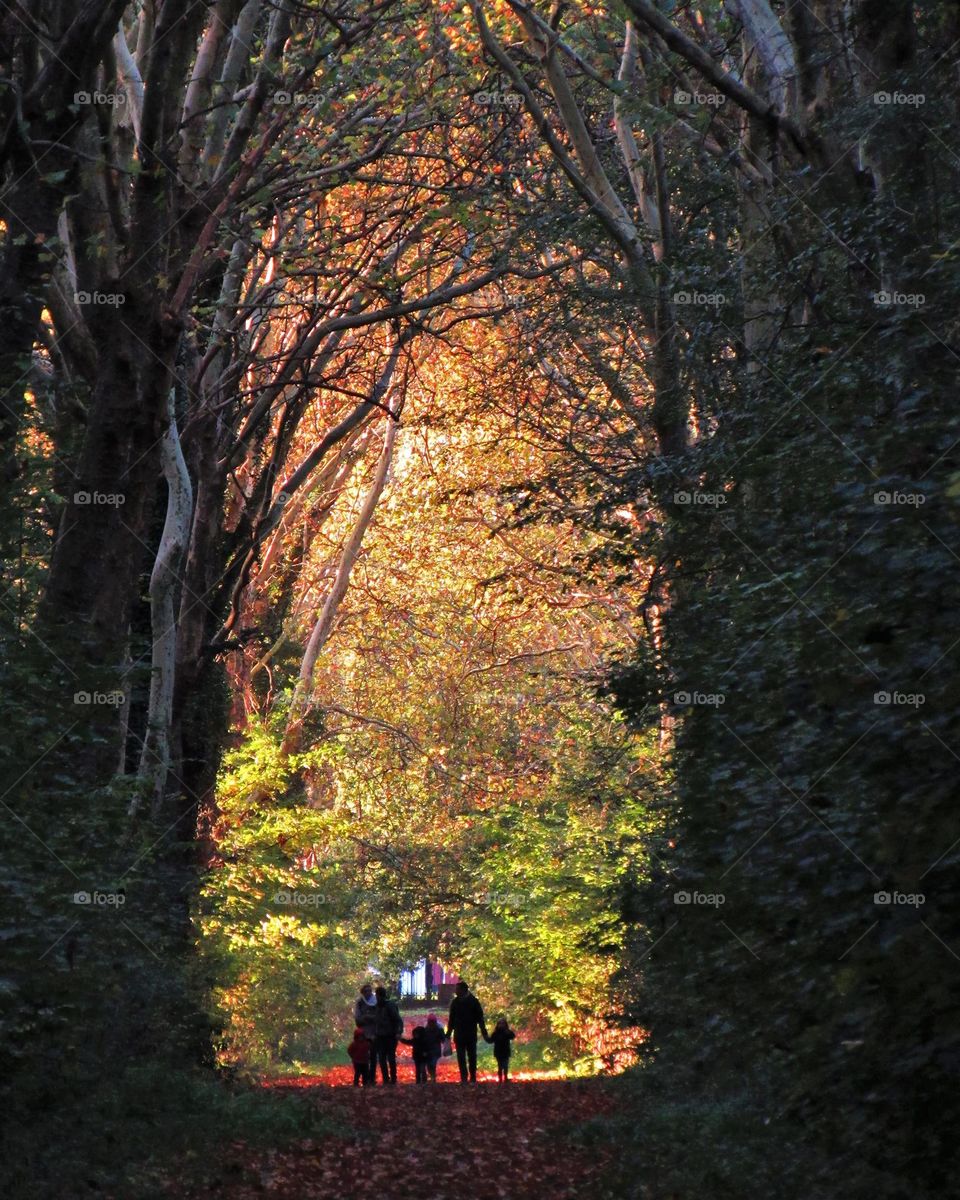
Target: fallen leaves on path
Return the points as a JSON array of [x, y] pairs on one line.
[[442, 1141]]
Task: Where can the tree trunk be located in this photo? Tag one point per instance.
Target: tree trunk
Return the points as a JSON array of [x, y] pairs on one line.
[[164, 587], [94, 574], [324, 625]]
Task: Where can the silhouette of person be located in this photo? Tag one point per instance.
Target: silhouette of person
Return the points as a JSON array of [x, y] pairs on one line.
[[359, 1052], [417, 1041], [503, 1035], [433, 1043], [388, 1028], [365, 1018], [466, 1016]]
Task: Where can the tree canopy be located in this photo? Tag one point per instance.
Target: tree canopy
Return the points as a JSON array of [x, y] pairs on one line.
[[479, 482]]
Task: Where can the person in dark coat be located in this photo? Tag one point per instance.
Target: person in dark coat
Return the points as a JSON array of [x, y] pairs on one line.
[[387, 1029], [503, 1035], [466, 1016]]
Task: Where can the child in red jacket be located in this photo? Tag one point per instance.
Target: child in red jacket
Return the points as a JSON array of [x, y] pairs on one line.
[[359, 1051]]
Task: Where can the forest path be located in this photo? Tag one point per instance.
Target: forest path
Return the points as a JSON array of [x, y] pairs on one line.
[[441, 1141]]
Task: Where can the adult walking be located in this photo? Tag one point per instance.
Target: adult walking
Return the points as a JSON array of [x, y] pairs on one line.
[[466, 1017], [387, 1030], [365, 1019]]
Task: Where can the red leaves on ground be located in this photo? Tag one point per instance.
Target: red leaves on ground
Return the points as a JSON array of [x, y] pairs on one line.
[[442, 1141]]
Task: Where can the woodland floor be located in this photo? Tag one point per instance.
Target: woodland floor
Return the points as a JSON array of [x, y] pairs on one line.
[[437, 1141]]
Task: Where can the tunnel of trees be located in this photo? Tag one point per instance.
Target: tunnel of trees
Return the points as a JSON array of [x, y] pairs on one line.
[[482, 482]]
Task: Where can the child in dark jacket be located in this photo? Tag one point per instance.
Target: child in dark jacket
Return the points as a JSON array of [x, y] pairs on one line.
[[421, 1054], [503, 1035], [433, 1041], [359, 1051]]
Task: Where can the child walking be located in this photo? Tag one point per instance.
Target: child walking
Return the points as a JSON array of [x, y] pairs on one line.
[[359, 1051], [503, 1035], [433, 1042], [421, 1056]]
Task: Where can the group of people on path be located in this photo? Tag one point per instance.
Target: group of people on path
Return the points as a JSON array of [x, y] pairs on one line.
[[379, 1029]]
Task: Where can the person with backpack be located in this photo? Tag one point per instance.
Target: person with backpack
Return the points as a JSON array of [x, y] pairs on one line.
[[466, 1016], [388, 1027]]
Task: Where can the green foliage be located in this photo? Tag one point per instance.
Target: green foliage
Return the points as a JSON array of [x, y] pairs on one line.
[[547, 935], [465, 792], [813, 600], [467, 798], [176, 1126], [273, 932], [688, 1136], [522, 896]]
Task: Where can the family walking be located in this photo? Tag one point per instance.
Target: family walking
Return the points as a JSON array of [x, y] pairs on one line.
[[379, 1028]]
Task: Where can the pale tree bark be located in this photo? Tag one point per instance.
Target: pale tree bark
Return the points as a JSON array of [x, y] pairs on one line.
[[669, 416], [770, 70], [131, 79], [615, 219], [238, 55], [589, 178], [653, 20], [316, 346], [632, 158], [197, 101], [324, 624], [329, 485], [164, 584], [772, 45]]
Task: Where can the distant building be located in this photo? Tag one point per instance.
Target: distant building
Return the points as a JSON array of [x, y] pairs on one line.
[[428, 981]]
